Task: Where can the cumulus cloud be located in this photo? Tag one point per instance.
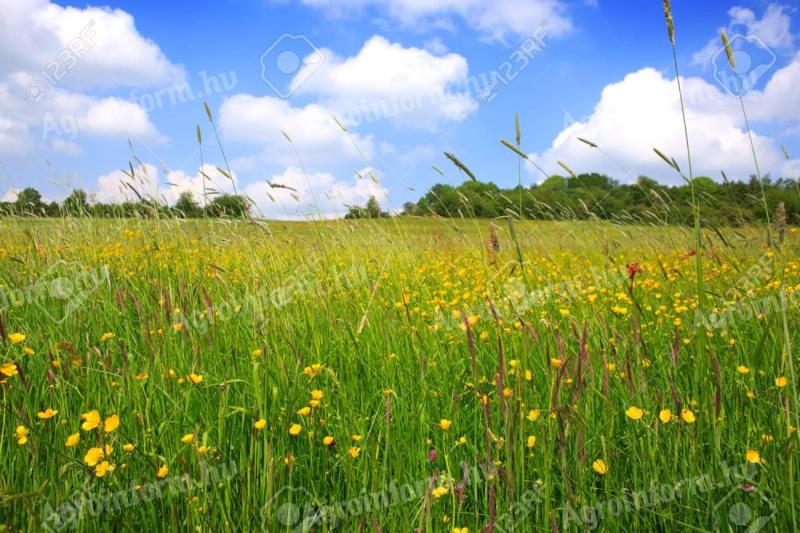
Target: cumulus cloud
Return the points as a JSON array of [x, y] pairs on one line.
[[315, 195], [67, 115], [111, 50], [65, 147], [497, 20], [116, 186], [10, 195], [643, 111], [207, 184], [293, 194], [116, 117], [773, 30], [780, 98], [385, 80], [14, 135], [50, 55], [263, 121]]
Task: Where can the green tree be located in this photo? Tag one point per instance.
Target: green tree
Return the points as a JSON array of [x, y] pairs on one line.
[[229, 206], [77, 203], [29, 200], [187, 205], [371, 210]]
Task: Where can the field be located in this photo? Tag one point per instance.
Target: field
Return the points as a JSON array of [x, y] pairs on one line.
[[396, 374]]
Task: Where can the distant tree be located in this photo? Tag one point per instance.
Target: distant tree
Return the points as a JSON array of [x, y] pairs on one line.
[[187, 205], [77, 204], [371, 210], [29, 200], [410, 208], [229, 205]]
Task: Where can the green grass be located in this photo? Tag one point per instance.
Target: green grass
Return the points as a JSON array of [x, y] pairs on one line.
[[360, 298]]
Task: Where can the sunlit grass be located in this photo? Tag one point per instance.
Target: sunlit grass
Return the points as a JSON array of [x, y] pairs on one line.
[[334, 358]]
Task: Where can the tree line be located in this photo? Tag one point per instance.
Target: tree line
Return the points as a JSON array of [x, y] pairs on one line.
[[29, 203], [579, 197], [596, 196]]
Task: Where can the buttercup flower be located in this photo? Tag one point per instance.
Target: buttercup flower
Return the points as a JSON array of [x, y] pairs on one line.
[[72, 440], [111, 423], [438, 492], [103, 468], [634, 413], [753, 456], [22, 435], [8, 369], [90, 420], [600, 467], [93, 456]]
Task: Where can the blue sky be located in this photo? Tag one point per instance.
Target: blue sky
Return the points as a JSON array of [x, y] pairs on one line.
[[408, 79]]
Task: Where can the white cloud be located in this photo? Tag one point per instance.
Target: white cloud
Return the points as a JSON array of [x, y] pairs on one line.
[[208, 181], [643, 111], [112, 52], [780, 99], [67, 115], [316, 195], [294, 195], [436, 46], [384, 80], [773, 30], [14, 135], [65, 147], [116, 117], [115, 186], [10, 196], [262, 121], [496, 20], [65, 50]]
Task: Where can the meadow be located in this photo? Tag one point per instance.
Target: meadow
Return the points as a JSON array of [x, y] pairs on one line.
[[396, 375]]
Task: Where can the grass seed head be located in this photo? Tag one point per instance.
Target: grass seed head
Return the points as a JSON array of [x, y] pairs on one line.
[[728, 50]]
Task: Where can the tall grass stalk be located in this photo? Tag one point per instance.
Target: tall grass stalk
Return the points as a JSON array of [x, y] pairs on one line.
[[732, 61], [698, 236]]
